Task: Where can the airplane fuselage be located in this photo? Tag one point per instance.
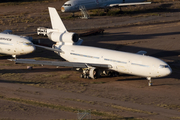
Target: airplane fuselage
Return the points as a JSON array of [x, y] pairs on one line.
[[93, 60], [123, 62], [74, 5], [15, 45]]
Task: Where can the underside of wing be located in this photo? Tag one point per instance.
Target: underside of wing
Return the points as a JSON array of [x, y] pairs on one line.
[[61, 63], [128, 4]]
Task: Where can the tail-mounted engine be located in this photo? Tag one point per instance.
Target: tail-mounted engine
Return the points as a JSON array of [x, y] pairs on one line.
[[67, 37]]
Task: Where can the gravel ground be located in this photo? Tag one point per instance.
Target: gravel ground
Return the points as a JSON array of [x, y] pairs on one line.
[[59, 93]]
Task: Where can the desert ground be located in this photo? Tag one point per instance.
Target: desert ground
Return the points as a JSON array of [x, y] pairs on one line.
[[47, 92]]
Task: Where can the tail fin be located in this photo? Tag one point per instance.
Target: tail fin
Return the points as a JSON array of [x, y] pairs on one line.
[[56, 21]]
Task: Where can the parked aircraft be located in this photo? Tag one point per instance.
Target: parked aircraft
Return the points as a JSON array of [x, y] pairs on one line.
[[93, 60], [14, 45], [77, 5]]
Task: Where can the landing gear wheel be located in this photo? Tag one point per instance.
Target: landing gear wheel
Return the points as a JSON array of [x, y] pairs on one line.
[[115, 74], [82, 76], [87, 77], [110, 74], [150, 83]]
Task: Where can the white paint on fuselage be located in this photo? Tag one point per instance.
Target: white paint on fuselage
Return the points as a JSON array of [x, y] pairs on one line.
[[15, 45], [122, 62], [73, 5]]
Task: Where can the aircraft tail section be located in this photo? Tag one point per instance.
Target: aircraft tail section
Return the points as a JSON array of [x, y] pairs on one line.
[[58, 33], [56, 21]]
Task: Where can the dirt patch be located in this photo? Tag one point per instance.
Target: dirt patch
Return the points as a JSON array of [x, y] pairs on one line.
[[47, 92]]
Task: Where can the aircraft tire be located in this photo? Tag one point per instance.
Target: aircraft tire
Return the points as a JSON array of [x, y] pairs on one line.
[[82, 76], [150, 84]]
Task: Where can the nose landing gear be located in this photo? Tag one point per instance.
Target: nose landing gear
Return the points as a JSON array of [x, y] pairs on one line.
[[150, 82]]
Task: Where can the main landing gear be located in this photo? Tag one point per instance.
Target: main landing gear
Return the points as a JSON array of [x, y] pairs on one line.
[[150, 82], [85, 76]]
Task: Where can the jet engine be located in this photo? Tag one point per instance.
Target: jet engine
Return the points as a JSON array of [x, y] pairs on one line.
[[67, 37], [94, 73]]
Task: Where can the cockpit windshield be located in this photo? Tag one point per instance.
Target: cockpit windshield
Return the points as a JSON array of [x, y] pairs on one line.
[[67, 5], [163, 66], [28, 44]]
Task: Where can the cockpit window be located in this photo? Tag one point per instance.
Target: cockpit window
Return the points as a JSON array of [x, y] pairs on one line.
[[164, 66], [67, 4], [28, 44]]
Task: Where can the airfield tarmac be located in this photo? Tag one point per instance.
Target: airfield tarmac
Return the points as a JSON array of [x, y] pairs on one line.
[[47, 92]]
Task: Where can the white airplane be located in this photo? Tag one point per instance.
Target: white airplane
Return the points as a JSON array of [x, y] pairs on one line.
[[76, 5], [14, 45], [93, 60]]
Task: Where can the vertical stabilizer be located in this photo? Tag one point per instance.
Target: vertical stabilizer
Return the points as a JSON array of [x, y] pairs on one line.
[[56, 21]]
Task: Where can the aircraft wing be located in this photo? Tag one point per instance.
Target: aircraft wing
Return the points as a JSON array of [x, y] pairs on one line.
[[128, 4], [7, 31], [48, 48], [61, 63]]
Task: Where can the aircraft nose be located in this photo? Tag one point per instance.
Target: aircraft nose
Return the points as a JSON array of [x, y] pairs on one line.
[[62, 9], [31, 49], [169, 71]]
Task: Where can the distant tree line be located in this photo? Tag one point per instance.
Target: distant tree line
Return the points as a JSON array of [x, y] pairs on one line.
[[18, 0]]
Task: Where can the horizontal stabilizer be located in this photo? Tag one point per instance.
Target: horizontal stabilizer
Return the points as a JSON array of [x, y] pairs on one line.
[[56, 21]]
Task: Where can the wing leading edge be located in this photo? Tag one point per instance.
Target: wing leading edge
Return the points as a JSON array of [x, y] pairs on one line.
[[48, 48], [61, 63], [128, 4]]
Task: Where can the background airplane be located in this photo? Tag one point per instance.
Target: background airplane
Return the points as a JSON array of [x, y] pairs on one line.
[[95, 60], [14, 45], [83, 5]]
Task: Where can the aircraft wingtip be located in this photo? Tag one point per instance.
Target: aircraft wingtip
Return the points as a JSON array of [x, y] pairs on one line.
[[51, 8]]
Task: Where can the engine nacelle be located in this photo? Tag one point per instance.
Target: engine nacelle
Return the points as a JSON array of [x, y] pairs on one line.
[[94, 73], [67, 37]]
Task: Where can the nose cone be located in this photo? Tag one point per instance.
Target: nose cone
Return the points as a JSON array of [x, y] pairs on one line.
[[62, 9], [29, 49], [166, 71], [169, 71]]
